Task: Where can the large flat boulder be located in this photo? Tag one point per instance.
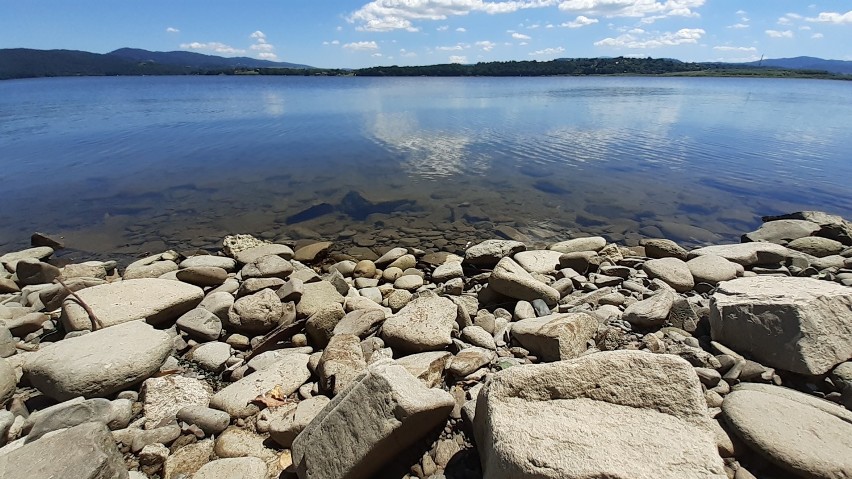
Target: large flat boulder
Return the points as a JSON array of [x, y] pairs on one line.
[[746, 254], [510, 279], [153, 300], [424, 324], [99, 363], [782, 231], [568, 420], [288, 373], [555, 337], [489, 252], [788, 429], [796, 324], [380, 415], [87, 451]]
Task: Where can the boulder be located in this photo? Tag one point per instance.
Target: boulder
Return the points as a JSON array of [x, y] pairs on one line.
[[288, 373], [202, 275], [556, 337], [746, 254], [233, 468], [782, 231], [312, 252], [361, 322], [817, 246], [711, 269], [576, 245], [786, 428], [381, 414], [468, 360], [256, 313], [200, 324], [538, 261], [573, 416], [250, 254], [156, 301], [341, 362], [163, 397], [663, 248], [316, 296], [424, 324], [206, 260], [270, 266], [489, 252], [99, 363], [87, 451], [796, 324], [67, 414], [284, 430], [32, 271], [671, 271], [447, 271], [510, 279], [8, 382], [650, 312]]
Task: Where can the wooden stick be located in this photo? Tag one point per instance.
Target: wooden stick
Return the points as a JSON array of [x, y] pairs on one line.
[[271, 338], [96, 323]]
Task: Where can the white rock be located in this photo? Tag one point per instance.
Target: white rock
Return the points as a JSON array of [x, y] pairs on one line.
[[672, 271], [538, 261], [233, 468], [591, 243], [424, 324], [289, 373], [556, 337], [746, 254], [510, 279]]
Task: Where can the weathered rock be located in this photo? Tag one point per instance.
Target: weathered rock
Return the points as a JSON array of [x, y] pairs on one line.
[[290, 372], [312, 252], [361, 322], [99, 363], [796, 324], [788, 431], [573, 414], [86, 451], [380, 415], [237, 442], [203, 275], [408, 282], [538, 261], [651, 312], [163, 397], [428, 367], [478, 336], [424, 324], [248, 255], [447, 271], [188, 459], [26, 324], [782, 231], [41, 252], [320, 325], [32, 271], [270, 266], [556, 337], [7, 342], [211, 356], [84, 271], [233, 468], [816, 246], [317, 296], [746, 254], [257, 313], [67, 414], [510, 279], [711, 269], [663, 248], [489, 252], [591, 243], [211, 421], [390, 256], [206, 260], [672, 271], [201, 324], [284, 430], [469, 360], [154, 300], [340, 363], [150, 267]]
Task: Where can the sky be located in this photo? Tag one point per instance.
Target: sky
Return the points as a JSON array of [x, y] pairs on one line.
[[354, 34]]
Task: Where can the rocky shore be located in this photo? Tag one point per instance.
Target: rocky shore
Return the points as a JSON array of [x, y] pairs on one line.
[[581, 359]]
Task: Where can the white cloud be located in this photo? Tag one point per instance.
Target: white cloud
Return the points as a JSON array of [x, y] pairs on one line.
[[443, 28], [406, 54], [215, 47], [456, 47], [726, 48], [361, 46], [784, 21], [833, 17], [547, 52], [779, 34], [485, 45], [461, 29], [458, 59], [550, 25], [580, 21], [521, 36], [262, 47], [376, 55], [804, 27], [172, 30], [633, 8], [738, 26], [817, 36], [267, 56], [741, 12], [646, 40], [259, 36]]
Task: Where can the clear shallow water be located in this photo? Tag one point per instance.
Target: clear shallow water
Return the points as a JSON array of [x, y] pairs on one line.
[[132, 165]]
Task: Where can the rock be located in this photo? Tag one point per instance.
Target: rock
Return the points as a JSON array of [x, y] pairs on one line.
[[270, 266], [156, 301], [364, 269], [67, 414], [842, 377], [573, 415], [591, 243], [361, 322], [152, 458], [478, 336], [40, 253], [510, 279], [469, 360], [317, 296], [40, 239], [312, 252], [248, 255], [447, 271], [8, 382], [163, 397], [32, 271], [150, 267], [556, 337], [71, 271], [203, 275], [404, 262], [211, 356], [812, 245], [428, 367], [209, 261], [290, 372], [320, 325], [746, 254], [384, 412], [99, 363], [577, 261], [672, 271], [711, 269], [284, 430], [211, 421], [201, 324], [188, 459], [538, 261], [340, 363], [7, 342], [233, 468], [391, 256], [663, 248], [408, 282], [236, 442], [782, 231], [86, 451], [651, 312], [26, 324], [796, 324], [257, 313], [789, 432], [489, 252], [424, 324], [8, 286]]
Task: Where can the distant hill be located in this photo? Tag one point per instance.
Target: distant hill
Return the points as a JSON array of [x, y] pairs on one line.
[[806, 63], [30, 63], [198, 60]]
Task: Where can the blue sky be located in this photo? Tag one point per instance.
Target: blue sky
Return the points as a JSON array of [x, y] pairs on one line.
[[418, 32]]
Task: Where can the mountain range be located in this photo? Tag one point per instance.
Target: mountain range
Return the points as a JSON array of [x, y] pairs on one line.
[[807, 63]]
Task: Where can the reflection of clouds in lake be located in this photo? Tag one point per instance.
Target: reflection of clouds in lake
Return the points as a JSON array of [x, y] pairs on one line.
[[273, 103], [426, 154]]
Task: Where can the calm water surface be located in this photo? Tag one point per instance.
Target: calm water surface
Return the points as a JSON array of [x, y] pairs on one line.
[[130, 165]]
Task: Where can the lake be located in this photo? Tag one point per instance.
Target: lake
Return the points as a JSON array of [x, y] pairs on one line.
[[129, 165]]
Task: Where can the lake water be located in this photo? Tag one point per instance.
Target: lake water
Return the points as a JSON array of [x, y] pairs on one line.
[[124, 166]]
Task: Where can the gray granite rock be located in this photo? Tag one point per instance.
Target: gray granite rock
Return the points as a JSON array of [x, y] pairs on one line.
[[424, 324], [290, 372], [257, 313], [510, 279], [201, 324], [489, 252], [672, 271], [556, 337]]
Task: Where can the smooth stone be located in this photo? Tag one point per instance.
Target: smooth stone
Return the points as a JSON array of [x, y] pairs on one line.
[[163, 397], [255, 285], [236, 442], [556, 337], [145, 268], [270, 266], [67, 414], [812, 245], [591, 243], [672, 271], [31, 271], [39, 253], [202, 275], [233, 468], [391, 256], [201, 324], [663, 248], [312, 252], [651, 312], [404, 262], [289, 373], [469, 360], [448, 271], [796, 324], [285, 430], [361, 323], [782, 231], [538, 261], [211, 421], [248, 255], [156, 301], [206, 260], [317, 296], [489, 252], [478, 336], [408, 282], [577, 261], [257, 313], [212, 356], [711, 269], [364, 269], [320, 325], [428, 367], [99, 363], [71, 271], [746, 254], [424, 324], [510, 279]]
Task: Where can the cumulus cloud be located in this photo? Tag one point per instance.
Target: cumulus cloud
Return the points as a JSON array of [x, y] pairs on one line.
[[456, 47], [458, 59], [817, 36], [779, 34], [580, 21], [633, 8], [520, 36], [738, 25], [461, 29], [635, 39], [833, 17], [443, 28], [361, 46], [406, 54], [172, 30], [726, 48], [267, 56], [547, 52], [265, 49], [215, 47], [485, 45]]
